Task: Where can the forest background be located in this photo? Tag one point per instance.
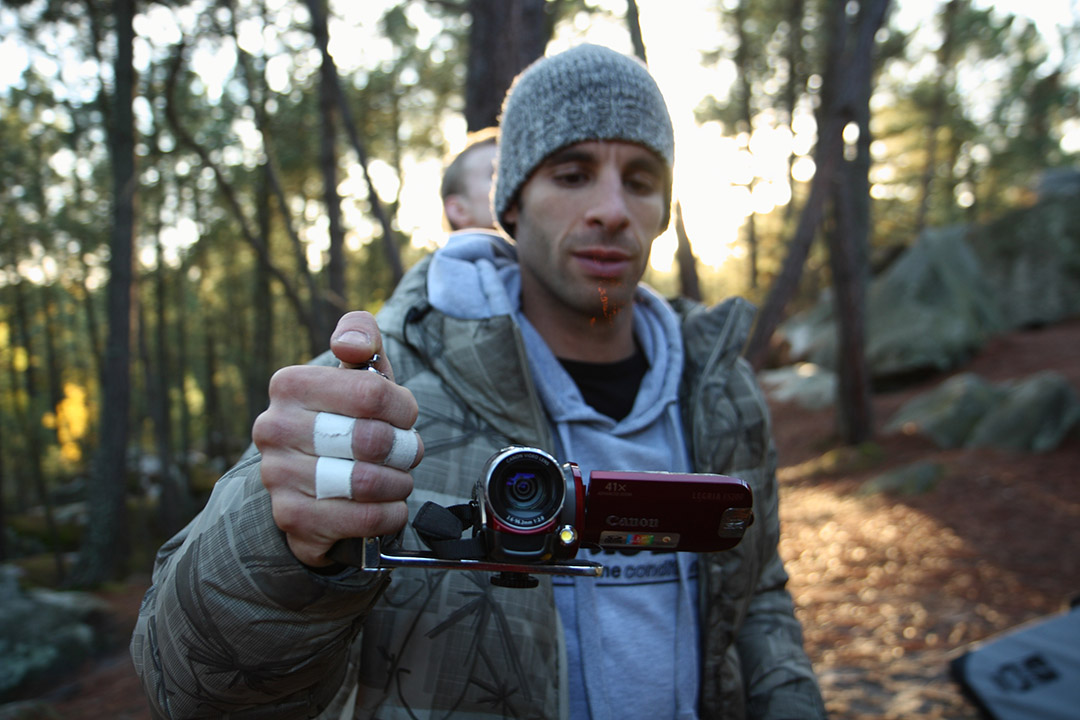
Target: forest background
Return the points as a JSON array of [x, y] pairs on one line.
[[192, 192]]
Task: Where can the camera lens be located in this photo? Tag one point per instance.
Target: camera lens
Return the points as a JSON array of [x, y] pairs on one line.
[[525, 487], [524, 491]]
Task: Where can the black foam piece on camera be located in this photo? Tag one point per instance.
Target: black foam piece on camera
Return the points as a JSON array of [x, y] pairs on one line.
[[441, 529]]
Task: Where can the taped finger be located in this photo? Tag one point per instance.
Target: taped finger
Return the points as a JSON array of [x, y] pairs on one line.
[[333, 478], [333, 435], [403, 450]]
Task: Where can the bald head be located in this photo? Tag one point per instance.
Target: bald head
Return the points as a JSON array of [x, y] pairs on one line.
[[466, 184]]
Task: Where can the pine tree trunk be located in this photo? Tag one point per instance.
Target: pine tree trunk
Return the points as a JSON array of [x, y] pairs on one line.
[[322, 39], [92, 332], [794, 55], [746, 114], [335, 304], [841, 91], [54, 375], [3, 506], [937, 112], [212, 408], [105, 550], [633, 24], [689, 284], [258, 371], [855, 418], [29, 417], [503, 39], [180, 342], [22, 488], [849, 258]]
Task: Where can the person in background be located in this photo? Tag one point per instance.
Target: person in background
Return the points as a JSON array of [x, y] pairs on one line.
[[466, 183], [539, 335]]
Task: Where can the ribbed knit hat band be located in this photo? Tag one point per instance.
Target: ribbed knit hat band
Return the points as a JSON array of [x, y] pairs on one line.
[[588, 93]]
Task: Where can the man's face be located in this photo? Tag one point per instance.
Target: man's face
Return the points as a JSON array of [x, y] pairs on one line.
[[584, 224]]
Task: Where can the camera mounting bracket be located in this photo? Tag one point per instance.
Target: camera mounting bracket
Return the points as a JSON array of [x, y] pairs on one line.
[[368, 555]]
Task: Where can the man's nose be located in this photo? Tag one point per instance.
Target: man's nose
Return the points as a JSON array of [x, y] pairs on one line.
[[607, 206]]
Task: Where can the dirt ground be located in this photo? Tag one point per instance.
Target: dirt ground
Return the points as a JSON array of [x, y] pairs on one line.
[[888, 589]]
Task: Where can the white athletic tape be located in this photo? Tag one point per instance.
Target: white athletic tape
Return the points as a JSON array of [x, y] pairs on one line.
[[333, 478], [403, 451], [333, 435]]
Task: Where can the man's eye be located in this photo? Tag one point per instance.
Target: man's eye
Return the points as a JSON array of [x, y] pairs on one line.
[[570, 177], [642, 184]]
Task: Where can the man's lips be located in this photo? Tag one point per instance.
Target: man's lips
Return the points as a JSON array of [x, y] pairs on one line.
[[603, 262]]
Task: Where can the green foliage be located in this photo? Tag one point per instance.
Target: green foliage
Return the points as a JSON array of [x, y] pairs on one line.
[[996, 107], [197, 272]]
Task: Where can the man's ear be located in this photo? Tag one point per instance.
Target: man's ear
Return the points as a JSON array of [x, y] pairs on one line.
[[456, 213], [511, 214]]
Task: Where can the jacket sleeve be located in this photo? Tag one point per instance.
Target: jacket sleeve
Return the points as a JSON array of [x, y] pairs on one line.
[[233, 624], [780, 681]]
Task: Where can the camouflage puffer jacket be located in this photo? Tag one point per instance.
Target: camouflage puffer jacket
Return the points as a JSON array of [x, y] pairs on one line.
[[233, 626]]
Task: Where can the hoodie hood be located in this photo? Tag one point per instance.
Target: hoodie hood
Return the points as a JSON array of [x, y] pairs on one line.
[[468, 277]]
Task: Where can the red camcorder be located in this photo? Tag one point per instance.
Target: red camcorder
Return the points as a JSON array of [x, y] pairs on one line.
[[531, 509], [530, 515]]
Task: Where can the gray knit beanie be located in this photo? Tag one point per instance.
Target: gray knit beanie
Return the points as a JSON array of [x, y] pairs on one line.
[[588, 93]]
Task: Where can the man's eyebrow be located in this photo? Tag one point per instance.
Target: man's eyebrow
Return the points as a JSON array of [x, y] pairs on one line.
[[648, 164], [569, 155]]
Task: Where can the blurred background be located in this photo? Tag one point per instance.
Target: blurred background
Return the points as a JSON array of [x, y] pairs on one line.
[[191, 193]]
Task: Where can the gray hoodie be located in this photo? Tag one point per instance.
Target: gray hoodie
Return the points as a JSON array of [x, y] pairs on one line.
[[631, 635]]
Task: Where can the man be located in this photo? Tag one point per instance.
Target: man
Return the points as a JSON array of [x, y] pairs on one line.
[[548, 342], [466, 183]]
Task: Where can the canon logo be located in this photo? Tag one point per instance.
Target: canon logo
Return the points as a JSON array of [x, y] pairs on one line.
[[632, 522], [729, 498]]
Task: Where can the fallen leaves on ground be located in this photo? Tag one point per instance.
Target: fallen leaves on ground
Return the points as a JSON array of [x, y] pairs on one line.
[[890, 588]]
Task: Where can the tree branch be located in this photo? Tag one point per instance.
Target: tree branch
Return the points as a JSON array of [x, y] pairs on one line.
[[322, 39], [231, 198]]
